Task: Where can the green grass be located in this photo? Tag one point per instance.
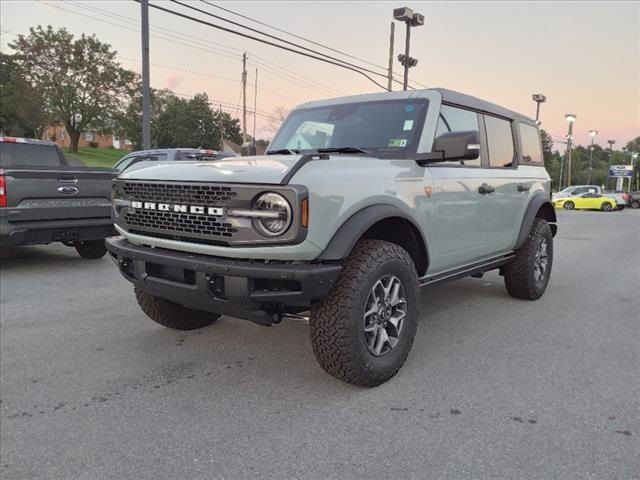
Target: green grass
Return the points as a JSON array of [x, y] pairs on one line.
[[97, 157]]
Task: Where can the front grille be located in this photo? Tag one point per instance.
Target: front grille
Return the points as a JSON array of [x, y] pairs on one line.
[[210, 195], [179, 223]]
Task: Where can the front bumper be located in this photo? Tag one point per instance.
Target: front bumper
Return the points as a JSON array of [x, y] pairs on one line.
[[253, 290]]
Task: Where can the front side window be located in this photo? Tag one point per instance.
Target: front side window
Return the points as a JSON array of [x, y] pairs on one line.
[[387, 126], [499, 141], [531, 148], [453, 119]]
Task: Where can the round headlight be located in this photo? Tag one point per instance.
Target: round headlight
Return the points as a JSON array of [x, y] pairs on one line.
[[279, 220]]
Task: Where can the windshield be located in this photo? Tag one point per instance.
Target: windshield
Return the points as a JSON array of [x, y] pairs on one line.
[[566, 191], [388, 126], [23, 154]]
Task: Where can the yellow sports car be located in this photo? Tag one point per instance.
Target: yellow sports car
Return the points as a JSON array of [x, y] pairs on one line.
[[586, 201]]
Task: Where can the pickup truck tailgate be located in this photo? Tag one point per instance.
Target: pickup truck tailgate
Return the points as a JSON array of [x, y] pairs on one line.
[[53, 193]]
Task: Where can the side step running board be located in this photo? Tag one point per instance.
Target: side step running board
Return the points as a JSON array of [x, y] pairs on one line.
[[468, 270]]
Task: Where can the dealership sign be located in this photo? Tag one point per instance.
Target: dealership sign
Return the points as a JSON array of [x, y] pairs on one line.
[[621, 171]]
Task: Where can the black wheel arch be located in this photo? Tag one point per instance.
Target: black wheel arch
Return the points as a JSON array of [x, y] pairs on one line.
[[539, 207], [379, 222]]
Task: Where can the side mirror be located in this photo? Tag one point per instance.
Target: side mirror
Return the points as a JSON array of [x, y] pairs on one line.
[[458, 145]]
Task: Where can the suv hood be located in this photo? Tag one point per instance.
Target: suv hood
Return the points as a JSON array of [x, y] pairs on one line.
[[267, 169]]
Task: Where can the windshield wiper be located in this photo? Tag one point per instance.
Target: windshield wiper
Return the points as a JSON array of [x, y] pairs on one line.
[[343, 150], [283, 151]]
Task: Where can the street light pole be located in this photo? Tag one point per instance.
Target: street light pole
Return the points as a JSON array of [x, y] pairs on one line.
[[569, 117], [634, 155], [410, 19], [611, 144], [593, 134], [538, 98]]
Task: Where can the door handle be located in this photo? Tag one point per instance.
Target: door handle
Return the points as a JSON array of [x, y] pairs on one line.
[[70, 179], [485, 189], [524, 187]]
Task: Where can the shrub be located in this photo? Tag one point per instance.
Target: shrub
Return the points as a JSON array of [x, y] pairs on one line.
[[93, 144]]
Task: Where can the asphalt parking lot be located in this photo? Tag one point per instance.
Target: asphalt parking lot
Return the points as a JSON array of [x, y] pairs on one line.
[[494, 387]]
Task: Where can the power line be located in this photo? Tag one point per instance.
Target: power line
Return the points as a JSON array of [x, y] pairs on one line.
[[299, 79], [203, 74], [301, 38], [316, 52], [266, 42]]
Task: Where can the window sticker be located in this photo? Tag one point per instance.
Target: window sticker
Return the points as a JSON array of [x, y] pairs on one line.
[[397, 142], [409, 108], [408, 125]]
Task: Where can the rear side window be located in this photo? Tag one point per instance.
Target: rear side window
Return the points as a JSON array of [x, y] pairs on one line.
[[26, 154], [531, 148], [454, 119], [499, 141]]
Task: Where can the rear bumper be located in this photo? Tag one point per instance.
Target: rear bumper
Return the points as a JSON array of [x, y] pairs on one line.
[[43, 232], [245, 289]]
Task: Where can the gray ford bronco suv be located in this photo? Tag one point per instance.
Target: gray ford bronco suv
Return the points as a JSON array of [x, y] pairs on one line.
[[358, 203]]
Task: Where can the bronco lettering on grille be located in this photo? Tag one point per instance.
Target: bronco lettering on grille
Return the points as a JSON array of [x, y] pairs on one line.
[[177, 208]]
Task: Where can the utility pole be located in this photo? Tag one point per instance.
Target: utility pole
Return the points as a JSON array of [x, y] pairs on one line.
[[390, 74], [221, 130], [593, 134], [255, 107], [244, 98], [146, 89]]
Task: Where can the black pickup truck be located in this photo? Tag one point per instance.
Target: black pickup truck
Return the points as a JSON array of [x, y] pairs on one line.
[[44, 199]]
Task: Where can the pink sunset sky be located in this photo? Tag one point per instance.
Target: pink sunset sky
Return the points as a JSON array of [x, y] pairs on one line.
[[584, 56]]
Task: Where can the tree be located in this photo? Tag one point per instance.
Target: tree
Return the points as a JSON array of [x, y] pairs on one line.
[[128, 123], [74, 76], [21, 112], [177, 122], [277, 117]]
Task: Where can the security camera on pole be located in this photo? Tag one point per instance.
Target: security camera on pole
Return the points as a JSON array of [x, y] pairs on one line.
[[410, 19]]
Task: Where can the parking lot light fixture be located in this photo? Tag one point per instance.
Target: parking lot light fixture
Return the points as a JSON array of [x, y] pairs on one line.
[[410, 19], [593, 134], [571, 118], [538, 98]]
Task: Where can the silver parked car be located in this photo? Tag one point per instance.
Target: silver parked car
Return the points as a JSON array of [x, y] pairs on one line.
[[145, 158]]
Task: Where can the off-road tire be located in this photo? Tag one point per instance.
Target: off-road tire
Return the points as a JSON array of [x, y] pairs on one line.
[[173, 315], [519, 275], [606, 207], [337, 323], [569, 205], [91, 249]]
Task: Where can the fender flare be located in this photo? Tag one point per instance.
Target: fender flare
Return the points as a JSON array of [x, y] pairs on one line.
[[352, 230], [538, 201]]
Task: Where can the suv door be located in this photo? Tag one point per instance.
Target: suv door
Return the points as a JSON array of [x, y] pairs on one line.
[[459, 232], [507, 202]]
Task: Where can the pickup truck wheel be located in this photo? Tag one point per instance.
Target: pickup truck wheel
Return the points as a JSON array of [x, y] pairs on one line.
[[605, 207], [528, 274], [173, 315], [362, 331], [91, 249]]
